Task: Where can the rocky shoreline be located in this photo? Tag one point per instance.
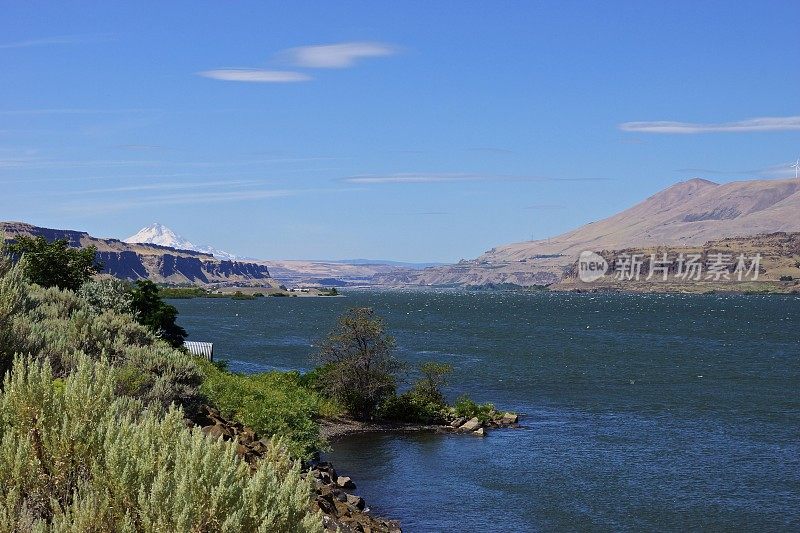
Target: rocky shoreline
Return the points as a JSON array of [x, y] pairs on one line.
[[335, 428], [342, 509]]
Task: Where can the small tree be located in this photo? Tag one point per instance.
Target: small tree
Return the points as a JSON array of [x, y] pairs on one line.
[[55, 264], [434, 378], [359, 369], [151, 311]]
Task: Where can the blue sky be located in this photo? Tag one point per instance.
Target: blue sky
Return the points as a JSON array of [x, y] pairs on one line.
[[423, 131]]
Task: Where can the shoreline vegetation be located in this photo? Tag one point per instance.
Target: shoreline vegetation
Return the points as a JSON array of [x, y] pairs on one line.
[[106, 405], [241, 293]]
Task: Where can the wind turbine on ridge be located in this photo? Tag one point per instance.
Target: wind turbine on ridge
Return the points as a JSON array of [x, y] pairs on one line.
[[796, 168]]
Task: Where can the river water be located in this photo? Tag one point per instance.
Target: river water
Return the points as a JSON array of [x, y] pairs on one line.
[[642, 412]]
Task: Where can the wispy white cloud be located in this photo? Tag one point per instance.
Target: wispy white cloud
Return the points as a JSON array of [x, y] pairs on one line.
[[412, 178], [64, 39], [341, 55], [167, 186], [753, 124], [492, 150], [69, 111], [255, 75], [408, 178], [49, 163], [544, 207], [139, 147], [783, 170], [419, 213], [95, 207]]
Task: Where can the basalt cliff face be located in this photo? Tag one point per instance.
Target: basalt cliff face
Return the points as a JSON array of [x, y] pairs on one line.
[[778, 267], [160, 264], [689, 213]]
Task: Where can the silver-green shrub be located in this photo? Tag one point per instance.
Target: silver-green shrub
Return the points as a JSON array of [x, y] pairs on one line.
[[75, 457], [107, 295], [59, 325]]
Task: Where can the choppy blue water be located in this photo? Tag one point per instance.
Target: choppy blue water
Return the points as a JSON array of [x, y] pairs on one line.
[[643, 412]]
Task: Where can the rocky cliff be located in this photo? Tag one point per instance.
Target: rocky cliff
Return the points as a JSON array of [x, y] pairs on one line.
[[160, 264]]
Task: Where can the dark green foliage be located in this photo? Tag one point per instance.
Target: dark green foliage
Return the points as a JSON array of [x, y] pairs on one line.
[[424, 403], [408, 407], [157, 315], [359, 369], [239, 295], [55, 264], [182, 292], [786, 278]]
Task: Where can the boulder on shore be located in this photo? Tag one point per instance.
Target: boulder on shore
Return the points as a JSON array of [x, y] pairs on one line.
[[456, 423], [471, 425], [509, 418], [480, 432], [345, 482]]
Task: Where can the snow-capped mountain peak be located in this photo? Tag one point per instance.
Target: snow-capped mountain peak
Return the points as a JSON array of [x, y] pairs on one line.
[[159, 234]]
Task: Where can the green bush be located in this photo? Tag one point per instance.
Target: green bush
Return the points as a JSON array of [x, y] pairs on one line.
[[466, 407], [73, 457], [272, 403]]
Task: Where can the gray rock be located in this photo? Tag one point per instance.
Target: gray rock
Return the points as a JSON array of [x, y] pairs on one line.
[[458, 422], [470, 425], [345, 482], [509, 418], [356, 501], [480, 432]]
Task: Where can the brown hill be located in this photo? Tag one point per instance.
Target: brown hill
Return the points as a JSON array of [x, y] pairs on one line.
[[688, 213], [160, 264]]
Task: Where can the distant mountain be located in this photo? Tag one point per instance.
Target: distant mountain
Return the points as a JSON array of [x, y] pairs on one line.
[[158, 263], [379, 262], [159, 234], [335, 273], [689, 213]]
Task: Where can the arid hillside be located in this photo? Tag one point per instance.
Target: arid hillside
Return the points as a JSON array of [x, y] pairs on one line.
[[689, 213]]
